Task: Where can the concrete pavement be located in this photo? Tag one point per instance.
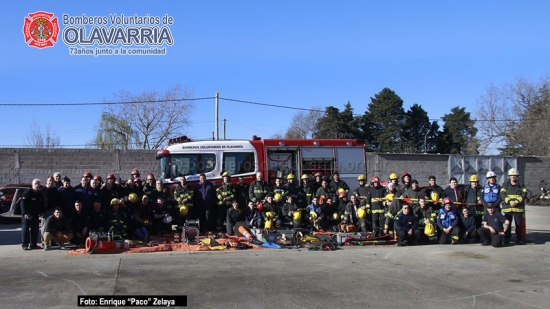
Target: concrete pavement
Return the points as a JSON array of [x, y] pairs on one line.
[[435, 276]]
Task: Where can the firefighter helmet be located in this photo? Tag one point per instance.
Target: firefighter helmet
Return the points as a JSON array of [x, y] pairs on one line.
[[133, 197], [278, 197], [297, 215], [335, 216], [429, 230], [361, 213], [318, 174], [389, 197], [447, 200], [150, 176], [322, 199], [111, 176], [226, 174], [135, 171], [270, 214], [405, 174], [474, 178], [313, 215], [137, 179], [435, 197], [115, 201], [184, 210], [88, 175], [290, 176], [98, 178], [305, 176], [260, 206], [375, 179], [341, 192], [513, 172], [393, 176], [490, 174], [361, 178]]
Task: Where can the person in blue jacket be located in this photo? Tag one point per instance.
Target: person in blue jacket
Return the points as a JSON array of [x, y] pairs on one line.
[[406, 225], [447, 220]]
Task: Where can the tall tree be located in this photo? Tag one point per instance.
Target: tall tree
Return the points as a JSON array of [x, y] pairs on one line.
[[303, 123], [383, 121], [458, 136], [144, 121], [336, 124], [329, 125], [514, 117], [42, 138], [416, 128]]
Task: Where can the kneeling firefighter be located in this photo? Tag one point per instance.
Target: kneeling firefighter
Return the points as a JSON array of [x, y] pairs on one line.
[[356, 214]]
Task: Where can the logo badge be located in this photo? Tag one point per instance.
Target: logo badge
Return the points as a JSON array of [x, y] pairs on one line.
[[40, 29]]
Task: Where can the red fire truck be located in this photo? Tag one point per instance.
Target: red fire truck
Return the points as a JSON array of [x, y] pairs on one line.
[[272, 157]]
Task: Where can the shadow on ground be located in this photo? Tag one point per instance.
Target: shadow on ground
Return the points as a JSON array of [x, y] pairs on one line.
[[538, 237], [10, 234]]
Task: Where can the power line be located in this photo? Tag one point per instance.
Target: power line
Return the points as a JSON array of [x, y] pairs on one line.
[[271, 105], [227, 99], [105, 103]]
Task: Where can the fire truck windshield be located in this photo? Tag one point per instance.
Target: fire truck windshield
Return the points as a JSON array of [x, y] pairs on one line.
[[177, 165]]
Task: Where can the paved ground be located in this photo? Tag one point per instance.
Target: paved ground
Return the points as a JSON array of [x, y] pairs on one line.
[[462, 276]]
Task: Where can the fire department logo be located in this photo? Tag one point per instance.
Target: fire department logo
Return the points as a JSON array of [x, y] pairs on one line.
[[40, 29]]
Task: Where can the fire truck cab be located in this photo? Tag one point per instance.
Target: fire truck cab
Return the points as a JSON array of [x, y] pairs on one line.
[[274, 158]]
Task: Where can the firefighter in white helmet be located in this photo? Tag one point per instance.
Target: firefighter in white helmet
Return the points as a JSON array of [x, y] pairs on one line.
[[513, 195], [491, 191]]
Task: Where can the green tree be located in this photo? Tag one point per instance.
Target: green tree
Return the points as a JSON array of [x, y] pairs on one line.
[[383, 121], [336, 124], [416, 128], [458, 136]]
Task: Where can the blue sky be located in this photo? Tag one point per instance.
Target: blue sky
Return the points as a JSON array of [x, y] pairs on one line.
[[439, 54]]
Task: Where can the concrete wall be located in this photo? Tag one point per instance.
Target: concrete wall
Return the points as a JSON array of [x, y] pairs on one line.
[[21, 165], [420, 166]]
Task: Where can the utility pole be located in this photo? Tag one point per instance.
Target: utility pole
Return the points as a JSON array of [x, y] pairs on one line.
[[216, 113], [224, 128]]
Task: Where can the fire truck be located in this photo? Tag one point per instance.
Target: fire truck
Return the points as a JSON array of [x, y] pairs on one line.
[[274, 158]]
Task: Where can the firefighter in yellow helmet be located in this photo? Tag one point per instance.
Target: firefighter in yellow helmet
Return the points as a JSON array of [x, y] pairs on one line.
[[278, 192], [434, 193], [356, 214], [362, 191], [307, 192], [183, 194], [287, 213], [426, 222], [514, 196], [473, 196], [226, 194], [292, 189], [377, 203], [315, 212], [270, 212], [338, 183]]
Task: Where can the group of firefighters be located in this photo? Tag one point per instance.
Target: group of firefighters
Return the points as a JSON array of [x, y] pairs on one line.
[[415, 214], [428, 214]]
